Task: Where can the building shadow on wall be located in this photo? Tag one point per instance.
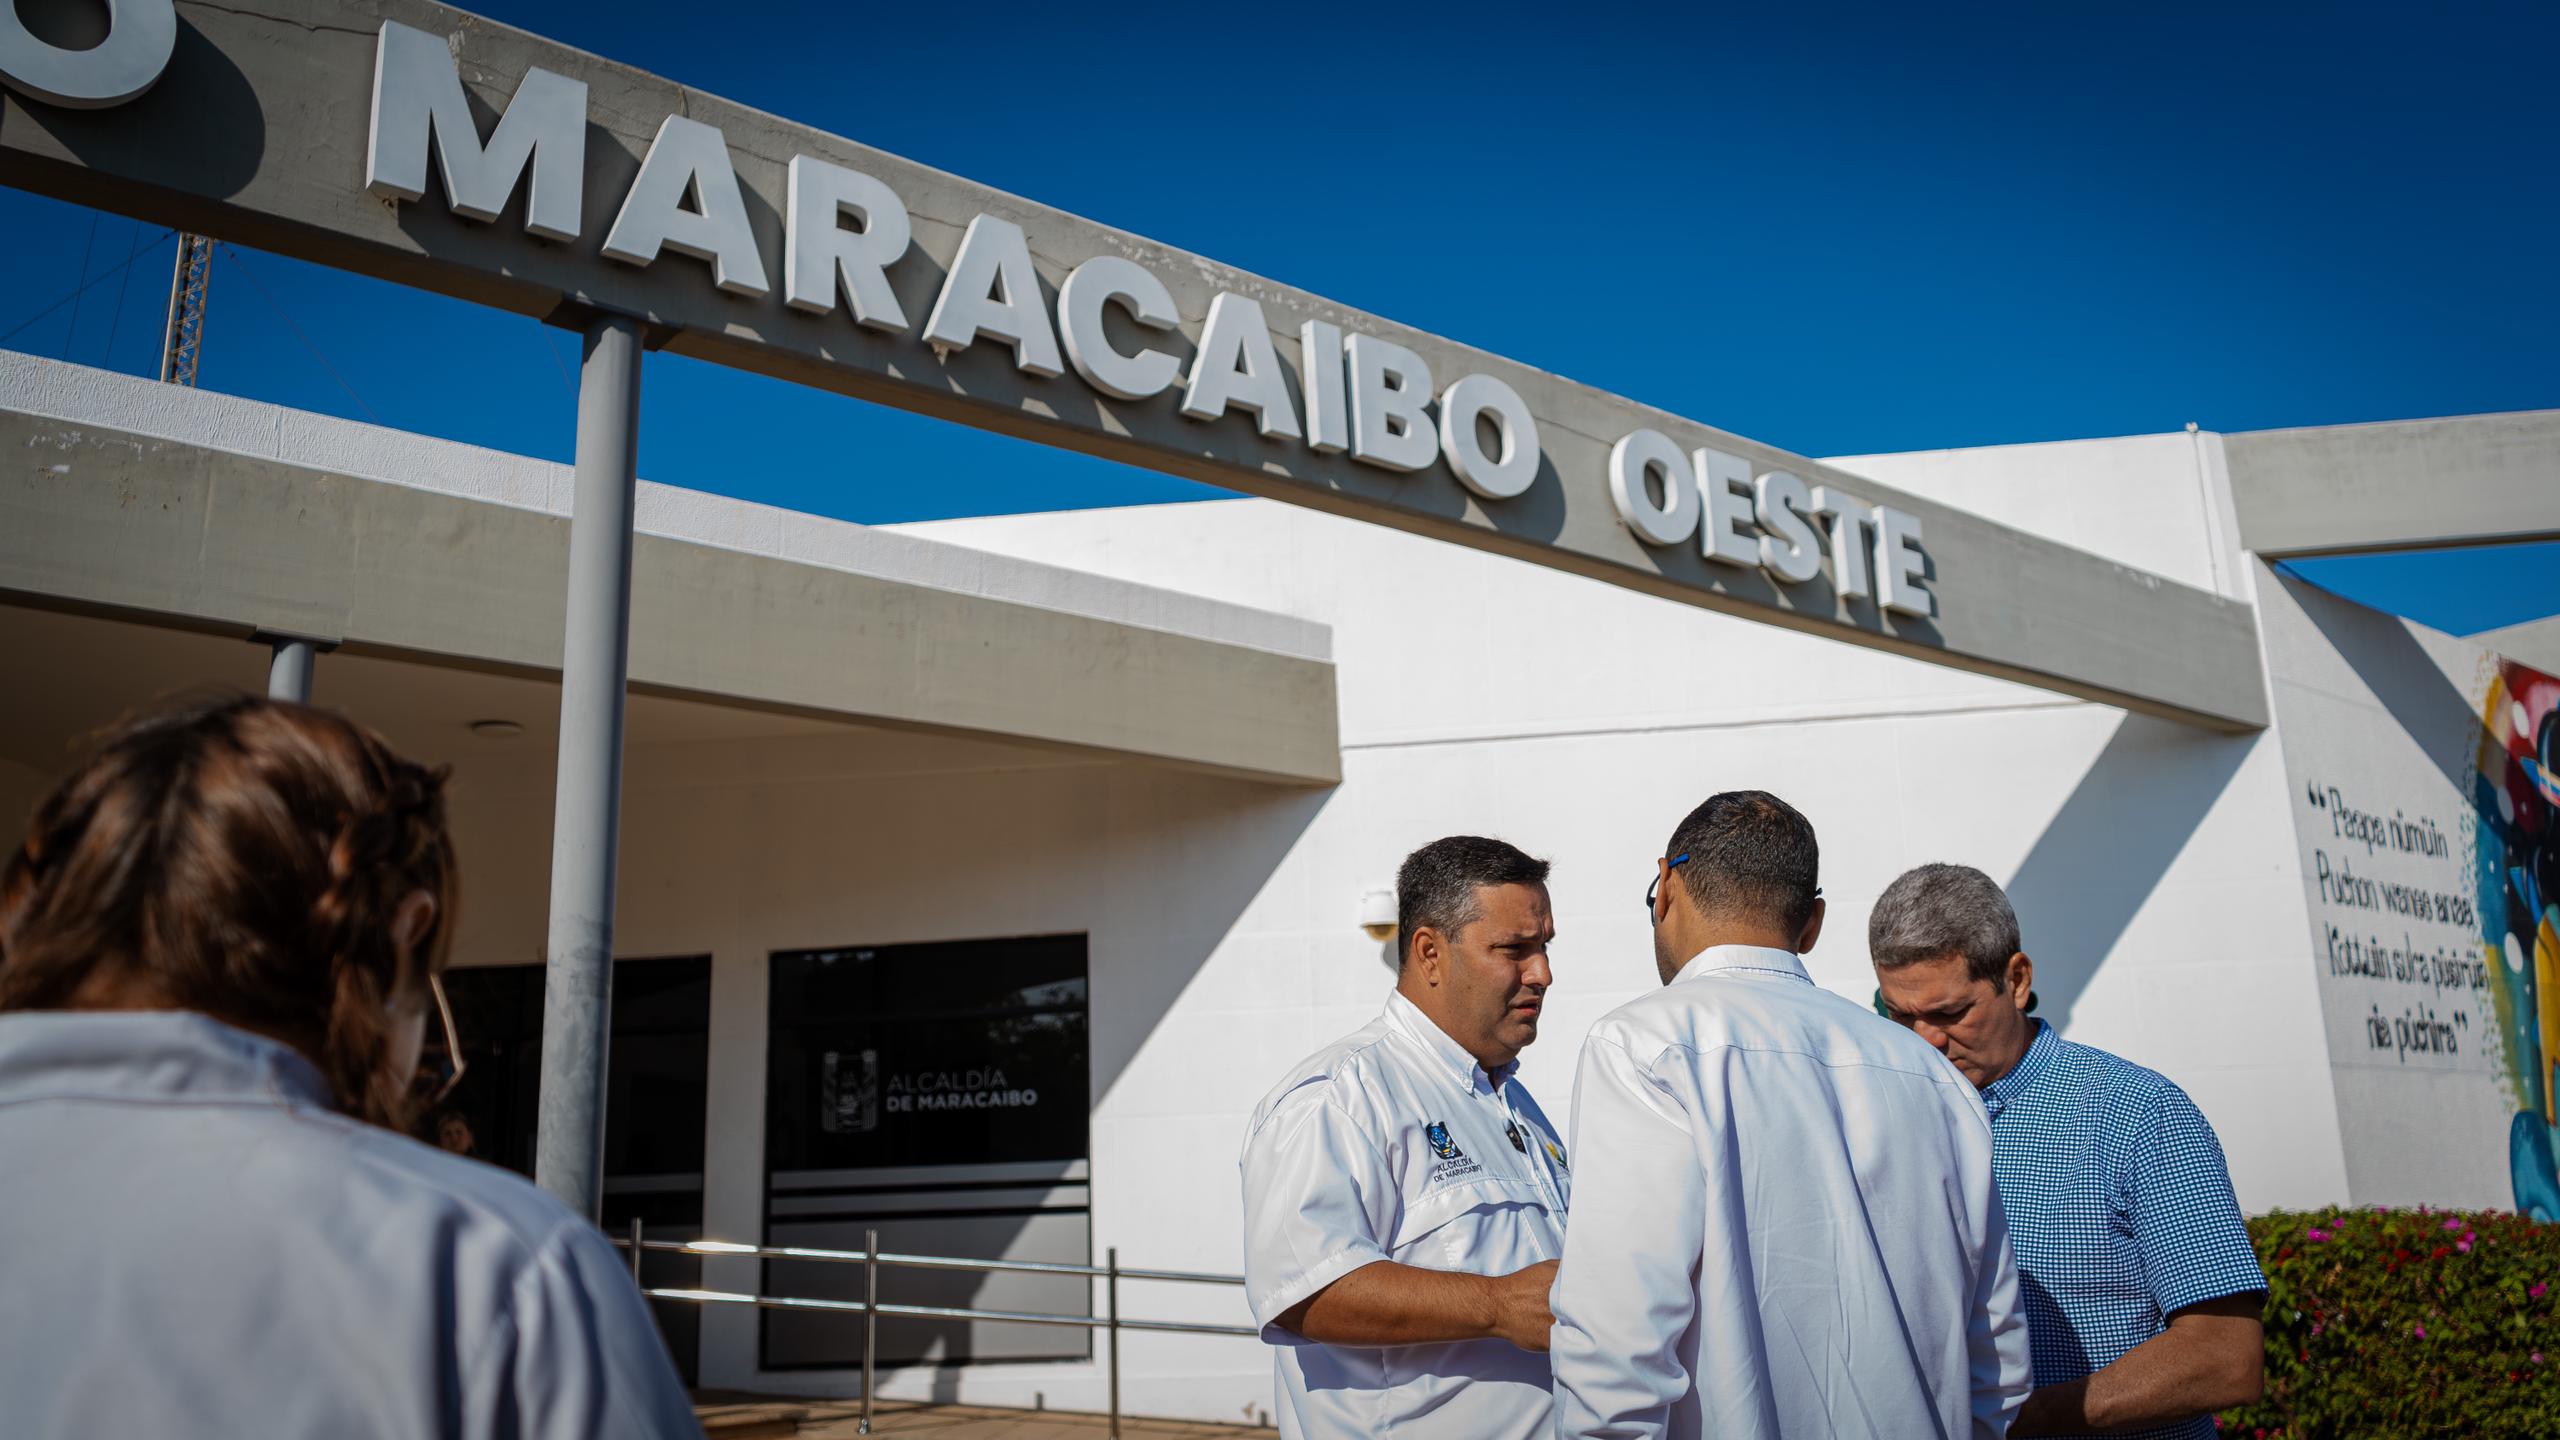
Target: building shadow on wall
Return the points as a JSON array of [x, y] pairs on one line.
[[2438, 717], [2107, 848], [1203, 849]]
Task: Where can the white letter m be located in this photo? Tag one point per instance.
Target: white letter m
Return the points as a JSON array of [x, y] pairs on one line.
[[417, 92]]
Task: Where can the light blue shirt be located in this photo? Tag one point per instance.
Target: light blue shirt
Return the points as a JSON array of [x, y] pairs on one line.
[[1784, 1224], [193, 1243], [2120, 1206]]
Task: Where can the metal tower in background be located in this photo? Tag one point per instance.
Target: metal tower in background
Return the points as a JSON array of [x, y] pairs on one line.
[[182, 345]]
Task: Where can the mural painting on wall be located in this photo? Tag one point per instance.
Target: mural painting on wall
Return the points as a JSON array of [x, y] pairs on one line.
[[2516, 801], [2426, 770]]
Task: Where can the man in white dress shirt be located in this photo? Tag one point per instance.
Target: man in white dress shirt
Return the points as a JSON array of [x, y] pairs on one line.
[[1786, 1223], [1404, 1198]]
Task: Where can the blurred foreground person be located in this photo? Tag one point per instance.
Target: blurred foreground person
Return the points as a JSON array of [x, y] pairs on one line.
[[1404, 1198], [2142, 1287], [219, 949], [1785, 1223]]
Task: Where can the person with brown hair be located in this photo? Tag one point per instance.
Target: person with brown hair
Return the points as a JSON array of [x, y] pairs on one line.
[[220, 947]]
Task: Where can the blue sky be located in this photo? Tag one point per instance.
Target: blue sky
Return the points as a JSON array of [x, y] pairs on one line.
[[1838, 229]]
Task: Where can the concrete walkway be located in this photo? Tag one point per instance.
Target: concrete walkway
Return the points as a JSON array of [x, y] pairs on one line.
[[755, 1418]]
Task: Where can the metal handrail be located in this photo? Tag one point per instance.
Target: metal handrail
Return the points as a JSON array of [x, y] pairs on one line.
[[942, 1312], [872, 1258], [929, 1262]]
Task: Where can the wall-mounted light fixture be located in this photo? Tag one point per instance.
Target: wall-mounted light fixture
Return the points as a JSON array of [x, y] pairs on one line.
[[1378, 914], [496, 729]]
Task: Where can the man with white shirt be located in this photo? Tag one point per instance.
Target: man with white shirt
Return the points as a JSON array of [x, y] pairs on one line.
[[1404, 1198], [1786, 1223]]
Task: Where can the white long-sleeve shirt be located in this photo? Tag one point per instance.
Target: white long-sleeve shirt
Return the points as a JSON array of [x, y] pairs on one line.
[[1784, 1223]]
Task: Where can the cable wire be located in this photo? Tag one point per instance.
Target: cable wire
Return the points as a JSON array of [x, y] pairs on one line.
[[544, 331], [21, 326], [115, 321], [88, 252], [242, 262]]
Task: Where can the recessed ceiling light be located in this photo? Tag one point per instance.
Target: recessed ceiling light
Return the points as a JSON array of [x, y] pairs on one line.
[[496, 729]]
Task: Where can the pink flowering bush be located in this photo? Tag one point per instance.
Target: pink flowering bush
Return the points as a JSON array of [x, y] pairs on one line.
[[2407, 1323]]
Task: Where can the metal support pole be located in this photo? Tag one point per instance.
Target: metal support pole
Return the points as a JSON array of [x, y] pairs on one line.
[[870, 1319], [289, 672], [595, 653], [636, 1281], [289, 666], [1111, 1294]]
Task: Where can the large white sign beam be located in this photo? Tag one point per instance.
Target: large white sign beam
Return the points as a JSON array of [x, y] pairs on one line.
[[561, 184], [2398, 484]]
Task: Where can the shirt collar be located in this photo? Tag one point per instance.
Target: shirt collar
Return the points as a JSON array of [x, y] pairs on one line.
[[2023, 1075], [148, 1055], [1716, 959], [1408, 1019]]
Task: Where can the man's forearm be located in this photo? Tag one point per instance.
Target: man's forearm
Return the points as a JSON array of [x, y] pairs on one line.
[[1384, 1303], [2210, 1358]]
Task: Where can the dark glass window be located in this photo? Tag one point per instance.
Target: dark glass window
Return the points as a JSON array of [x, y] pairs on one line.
[[655, 1103], [938, 1095], [659, 1056], [959, 1053]]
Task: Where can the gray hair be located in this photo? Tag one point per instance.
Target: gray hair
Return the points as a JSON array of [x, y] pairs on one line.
[[1940, 910]]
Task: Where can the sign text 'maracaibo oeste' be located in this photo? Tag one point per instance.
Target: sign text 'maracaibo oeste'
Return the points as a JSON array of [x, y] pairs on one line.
[[1357, 395]]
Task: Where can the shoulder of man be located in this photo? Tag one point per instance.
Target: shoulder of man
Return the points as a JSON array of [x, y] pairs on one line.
[[1342, 1073], [1645, 1025], [2130, 1089], [1808, 1020], [2147, 1117]]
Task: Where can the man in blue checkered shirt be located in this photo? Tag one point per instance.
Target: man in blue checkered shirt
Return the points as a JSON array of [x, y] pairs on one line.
[[2141, 1289]]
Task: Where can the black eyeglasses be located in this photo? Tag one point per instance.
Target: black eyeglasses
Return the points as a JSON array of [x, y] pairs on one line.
[[1676, 862]]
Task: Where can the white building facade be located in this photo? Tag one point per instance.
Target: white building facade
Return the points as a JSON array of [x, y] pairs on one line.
[[1106, 944]]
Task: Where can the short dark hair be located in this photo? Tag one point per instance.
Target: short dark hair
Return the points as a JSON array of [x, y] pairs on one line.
[[1750, 854], [1940, 910], [1436, 886]]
